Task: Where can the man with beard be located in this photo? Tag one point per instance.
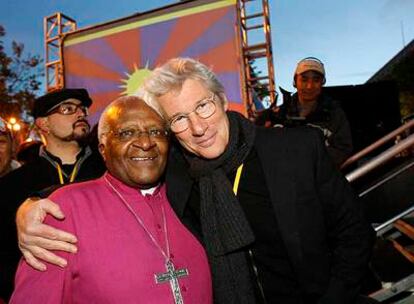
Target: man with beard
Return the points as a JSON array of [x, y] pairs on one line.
[[60, 117]]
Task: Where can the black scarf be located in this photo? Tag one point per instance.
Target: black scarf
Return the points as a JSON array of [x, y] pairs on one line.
[[226, 231]]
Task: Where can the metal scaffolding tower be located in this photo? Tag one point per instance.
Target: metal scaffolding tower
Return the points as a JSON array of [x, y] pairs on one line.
[[256, 45], [55, 28], [253, 24]]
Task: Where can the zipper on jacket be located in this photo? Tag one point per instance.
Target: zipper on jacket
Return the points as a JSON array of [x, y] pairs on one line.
[[256, 274]]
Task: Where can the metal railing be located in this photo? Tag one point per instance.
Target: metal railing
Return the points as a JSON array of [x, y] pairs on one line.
[[386, 179], [395, 289], [407, 282], [384, 227], [378, 143], [381, 158]]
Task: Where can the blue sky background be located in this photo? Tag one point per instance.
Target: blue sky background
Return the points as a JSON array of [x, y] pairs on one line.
[[354, 38]]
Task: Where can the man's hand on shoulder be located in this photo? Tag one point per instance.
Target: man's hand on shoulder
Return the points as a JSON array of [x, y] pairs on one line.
[[36, 238]]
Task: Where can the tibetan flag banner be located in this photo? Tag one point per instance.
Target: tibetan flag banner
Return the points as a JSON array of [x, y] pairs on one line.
[[113, 59]]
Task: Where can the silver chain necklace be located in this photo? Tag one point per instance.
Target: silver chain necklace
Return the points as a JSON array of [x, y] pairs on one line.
[[172, 275]]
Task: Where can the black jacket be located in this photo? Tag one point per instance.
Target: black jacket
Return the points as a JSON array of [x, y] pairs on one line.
[[327, 238], [328, 117], [28, 180]]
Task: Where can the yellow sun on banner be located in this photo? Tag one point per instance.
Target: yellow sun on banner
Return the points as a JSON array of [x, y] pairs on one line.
[[134, 80]]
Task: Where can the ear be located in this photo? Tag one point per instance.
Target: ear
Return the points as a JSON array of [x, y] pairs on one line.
[[43, 124], [101, 148], [224, 101]]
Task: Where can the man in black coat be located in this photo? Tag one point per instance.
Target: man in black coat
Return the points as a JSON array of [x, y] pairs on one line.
[[310, 106], [279, 223], [61, 118]]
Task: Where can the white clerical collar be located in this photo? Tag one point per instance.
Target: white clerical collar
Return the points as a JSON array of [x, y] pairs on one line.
[[149, 191]]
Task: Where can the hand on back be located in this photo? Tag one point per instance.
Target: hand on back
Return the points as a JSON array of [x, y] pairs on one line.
[[37, 239]]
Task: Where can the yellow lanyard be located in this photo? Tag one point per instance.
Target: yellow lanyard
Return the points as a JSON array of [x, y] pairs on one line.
[[237, 179], [72, 175]]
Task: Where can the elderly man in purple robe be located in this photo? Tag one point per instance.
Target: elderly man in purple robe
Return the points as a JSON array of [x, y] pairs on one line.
[[131, 245]]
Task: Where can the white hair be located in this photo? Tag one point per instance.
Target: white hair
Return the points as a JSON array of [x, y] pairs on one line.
[[103, 125], [171, 77]]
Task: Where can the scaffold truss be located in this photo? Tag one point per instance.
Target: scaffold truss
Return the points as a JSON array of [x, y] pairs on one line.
[[253, 25], [256, 46], [55, 27]]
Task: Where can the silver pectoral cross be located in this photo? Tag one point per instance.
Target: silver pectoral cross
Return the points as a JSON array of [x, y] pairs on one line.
[[172, 276]]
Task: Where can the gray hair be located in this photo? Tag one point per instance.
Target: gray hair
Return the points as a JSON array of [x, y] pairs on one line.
[[124, 101], [171, 76]]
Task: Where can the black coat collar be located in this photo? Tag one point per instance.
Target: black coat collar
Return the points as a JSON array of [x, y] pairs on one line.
[[178, 180]]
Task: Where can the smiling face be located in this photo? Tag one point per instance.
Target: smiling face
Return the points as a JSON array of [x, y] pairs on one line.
[[138, 161], [309, 86], [205, 137]]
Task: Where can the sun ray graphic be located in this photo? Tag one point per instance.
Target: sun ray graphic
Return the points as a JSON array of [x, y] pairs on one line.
[[134, 80]]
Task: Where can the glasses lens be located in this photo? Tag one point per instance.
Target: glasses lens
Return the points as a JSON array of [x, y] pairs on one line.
[[157, 134], [125, 134], [131, 133], [206, 109], [179, 124], [67, 108]]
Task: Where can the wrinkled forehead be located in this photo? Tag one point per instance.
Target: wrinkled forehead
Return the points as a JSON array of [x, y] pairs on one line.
[[189, 94], [135, 113]]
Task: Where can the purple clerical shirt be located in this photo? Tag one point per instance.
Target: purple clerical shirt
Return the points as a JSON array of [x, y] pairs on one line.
[[116, 260]]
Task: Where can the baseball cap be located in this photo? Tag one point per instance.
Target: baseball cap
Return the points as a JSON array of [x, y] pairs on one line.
[[45, 103], [310, 64]]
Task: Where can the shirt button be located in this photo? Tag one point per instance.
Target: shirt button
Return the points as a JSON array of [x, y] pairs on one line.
[[158, 226], [171, 255], [184, 288]]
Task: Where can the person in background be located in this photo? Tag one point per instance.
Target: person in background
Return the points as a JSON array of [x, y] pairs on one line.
[[28, 151], [310, 106], [61, 118]]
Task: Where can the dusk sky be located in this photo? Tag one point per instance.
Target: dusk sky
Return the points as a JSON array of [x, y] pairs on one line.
[[354, 38]]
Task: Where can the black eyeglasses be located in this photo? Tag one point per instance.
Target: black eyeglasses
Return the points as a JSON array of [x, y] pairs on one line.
[[68, 108], [127, 134], [204, 109]]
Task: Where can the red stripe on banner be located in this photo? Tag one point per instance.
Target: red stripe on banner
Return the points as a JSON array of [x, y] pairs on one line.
[[218, 58], [181, 36], [83, 67], [101, 100], [127, 46], [237, 107]]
